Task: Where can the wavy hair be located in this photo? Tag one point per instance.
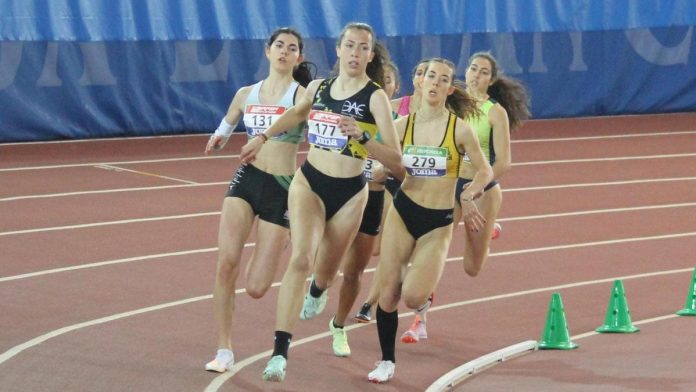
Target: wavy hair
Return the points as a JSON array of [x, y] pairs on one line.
[[510, 93]]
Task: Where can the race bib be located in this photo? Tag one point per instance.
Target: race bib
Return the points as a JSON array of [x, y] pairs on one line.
[[370, 166], [425, 161], [258, 118], [323, 130]]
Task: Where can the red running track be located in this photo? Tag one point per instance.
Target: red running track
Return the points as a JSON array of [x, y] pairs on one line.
[[108, 253]]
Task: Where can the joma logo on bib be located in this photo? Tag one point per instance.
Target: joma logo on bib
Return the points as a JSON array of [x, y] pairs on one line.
[[353, 108]]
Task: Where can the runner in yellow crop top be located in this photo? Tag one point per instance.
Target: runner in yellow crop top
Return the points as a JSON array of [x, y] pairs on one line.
[[418, 228]]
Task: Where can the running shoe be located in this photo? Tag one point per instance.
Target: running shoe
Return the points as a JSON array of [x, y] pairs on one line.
[[363, 316], [496, 231], [415, 332], [340, 340], [383, 373], [313, 306], [224, 360], [275, 369]]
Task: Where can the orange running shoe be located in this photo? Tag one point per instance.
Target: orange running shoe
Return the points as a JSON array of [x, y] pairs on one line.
[[416, 332]]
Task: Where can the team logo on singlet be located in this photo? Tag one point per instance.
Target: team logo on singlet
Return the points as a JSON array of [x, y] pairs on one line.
[[353, 108]]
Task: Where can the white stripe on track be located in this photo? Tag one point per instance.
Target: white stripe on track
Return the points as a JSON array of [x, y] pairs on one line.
[[218, 381], [49, 335], [602, 137], [626, 158], [116, 190], [204, 214], [94, 164], [203, 184], [109, 223], [251, 244], [111, 262], [594, 184], [142, 173]]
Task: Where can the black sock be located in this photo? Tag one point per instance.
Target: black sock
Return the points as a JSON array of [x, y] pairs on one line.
[[333, 321], [387, 324], [281, 344], [315, 291]]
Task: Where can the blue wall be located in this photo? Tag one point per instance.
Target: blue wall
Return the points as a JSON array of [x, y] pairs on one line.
[[82, 69]]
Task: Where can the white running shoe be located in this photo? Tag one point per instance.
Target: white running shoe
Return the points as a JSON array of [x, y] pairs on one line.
[[275, 369], [224, 360], [340, 340], [383, 373], [313, 306]]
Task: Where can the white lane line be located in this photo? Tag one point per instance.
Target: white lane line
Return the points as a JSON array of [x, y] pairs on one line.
[[118, 163], [217, 382], [42, 338], [590, 212], [595, 243], [251, 244], [109, 223], [487, 361], [626, 158], [203, 214], [142, 173], [602, 137], [594, 184], [106, 139], [116, 190], [202, 184], [111, 262], [640, 322]]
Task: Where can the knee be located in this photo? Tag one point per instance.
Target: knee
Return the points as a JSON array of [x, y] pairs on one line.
[[300, 264], [471, 270], [352, 277], [255, 290], [227, 270], [414, 301]]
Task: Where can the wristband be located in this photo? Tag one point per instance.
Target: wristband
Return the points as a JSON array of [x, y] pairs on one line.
[[224, 129], [263, 136]]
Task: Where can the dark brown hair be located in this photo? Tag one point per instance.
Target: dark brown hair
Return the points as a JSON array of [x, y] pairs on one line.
[[302, 72], [459, 102], [375, 68], [509, 92]]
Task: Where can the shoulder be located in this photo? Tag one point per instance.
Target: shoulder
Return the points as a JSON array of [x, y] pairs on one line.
[[497, 113], [243, 92], [462, 127], [314, 84]]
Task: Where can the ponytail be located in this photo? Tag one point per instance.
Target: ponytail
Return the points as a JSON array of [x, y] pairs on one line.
[[512, 96], [461, 103], [303, 73]]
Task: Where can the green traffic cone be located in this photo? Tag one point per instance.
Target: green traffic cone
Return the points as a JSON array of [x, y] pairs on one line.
[[556, 335], [618, 318], [690, 307]]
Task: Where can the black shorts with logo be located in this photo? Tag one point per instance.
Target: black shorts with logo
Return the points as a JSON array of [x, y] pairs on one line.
[[266, 194]]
